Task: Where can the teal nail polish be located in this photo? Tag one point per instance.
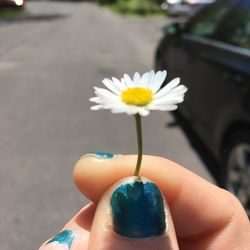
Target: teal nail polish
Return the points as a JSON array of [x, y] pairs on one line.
[[138, 210], [102, 155], [64, 237]]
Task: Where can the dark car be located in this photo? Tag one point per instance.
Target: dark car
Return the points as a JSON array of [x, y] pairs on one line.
[[184, 7], [211, 54], [11, 4]]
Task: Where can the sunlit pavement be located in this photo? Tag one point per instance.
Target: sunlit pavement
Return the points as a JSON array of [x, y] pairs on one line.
[[49, 62]]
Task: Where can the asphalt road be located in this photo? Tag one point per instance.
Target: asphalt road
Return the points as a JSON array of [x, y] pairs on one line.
[[49, 62]]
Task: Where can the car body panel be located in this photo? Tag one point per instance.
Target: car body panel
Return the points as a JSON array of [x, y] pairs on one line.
[[228, 87], [216, 73]]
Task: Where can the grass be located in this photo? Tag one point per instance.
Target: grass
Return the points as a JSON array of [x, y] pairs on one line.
[[9, 13], [135, 7]]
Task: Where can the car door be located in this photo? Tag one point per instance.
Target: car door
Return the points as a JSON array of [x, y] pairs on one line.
[[182, 53], [233, 38], [205, 65]]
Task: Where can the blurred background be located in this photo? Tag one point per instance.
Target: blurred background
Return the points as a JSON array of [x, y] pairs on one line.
[[52, 53]]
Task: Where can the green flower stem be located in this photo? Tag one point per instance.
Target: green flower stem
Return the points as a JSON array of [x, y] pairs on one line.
[[139, 142]]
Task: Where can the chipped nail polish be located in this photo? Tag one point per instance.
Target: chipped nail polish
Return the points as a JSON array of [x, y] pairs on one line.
[[100, 155], [138, 210], [62, 241], [103, 155]]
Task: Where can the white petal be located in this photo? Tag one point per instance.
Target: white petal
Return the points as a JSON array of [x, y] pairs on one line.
[[137, 80], [163, 108], [106, 94], [124, 83], [145, 80], [181, 89], [111, 86], [128, 81], [128, 109], [176, 94], [159, 79], [119, 109], [95, 99], [97, 107], [168, 87], [132, 109], [108, 103], [169, 108], [143, 112], [151, 75], [151, 79], [164, 101], [120, 84]]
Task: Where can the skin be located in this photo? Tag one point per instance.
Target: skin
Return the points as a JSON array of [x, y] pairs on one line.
[[204, 215]]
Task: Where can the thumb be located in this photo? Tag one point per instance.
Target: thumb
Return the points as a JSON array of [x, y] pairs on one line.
[[133, 214]]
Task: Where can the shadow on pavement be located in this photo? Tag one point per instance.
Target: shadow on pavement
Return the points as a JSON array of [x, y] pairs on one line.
[[197, 144]]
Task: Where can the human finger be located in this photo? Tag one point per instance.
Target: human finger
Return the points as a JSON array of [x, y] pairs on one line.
[[75, 234], [199, 209]]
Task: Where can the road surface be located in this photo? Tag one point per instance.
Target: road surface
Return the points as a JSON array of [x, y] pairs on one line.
[[50, 60]]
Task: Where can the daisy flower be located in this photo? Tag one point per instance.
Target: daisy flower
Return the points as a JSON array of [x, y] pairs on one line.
[[138, 96]]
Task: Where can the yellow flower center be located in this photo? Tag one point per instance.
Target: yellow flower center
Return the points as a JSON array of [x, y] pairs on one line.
[[137, 96]]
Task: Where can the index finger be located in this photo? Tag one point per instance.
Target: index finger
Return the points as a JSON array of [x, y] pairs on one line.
[[198, 207]]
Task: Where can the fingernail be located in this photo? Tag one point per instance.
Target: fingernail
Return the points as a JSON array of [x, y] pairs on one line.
[[100, 155], [62, 241], [138, 209]]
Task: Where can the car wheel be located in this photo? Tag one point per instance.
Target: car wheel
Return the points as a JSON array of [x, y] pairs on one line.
[[237, 163]]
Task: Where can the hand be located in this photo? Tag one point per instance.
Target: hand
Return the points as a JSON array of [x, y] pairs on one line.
[[204, 216]]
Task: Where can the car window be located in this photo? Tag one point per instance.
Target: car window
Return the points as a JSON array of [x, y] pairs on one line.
[[235, 29], [207, 20]]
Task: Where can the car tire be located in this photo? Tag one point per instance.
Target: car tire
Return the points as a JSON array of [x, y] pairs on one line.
[[236, 159]]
